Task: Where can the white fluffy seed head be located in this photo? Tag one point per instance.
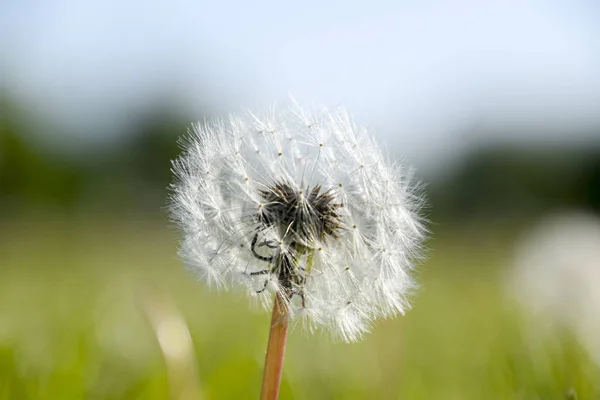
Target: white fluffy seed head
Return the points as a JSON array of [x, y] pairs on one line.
[[303, 203], [555, 275]]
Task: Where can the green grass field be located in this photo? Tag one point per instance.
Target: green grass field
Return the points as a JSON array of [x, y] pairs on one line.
[[74, 324]]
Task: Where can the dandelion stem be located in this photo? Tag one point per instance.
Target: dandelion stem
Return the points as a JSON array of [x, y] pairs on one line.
[[275, 350]]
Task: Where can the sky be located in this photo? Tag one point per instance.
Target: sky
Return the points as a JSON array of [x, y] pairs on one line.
[[421, 74]]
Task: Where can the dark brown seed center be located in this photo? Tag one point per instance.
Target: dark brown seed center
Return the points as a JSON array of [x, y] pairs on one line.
[[310, 215]]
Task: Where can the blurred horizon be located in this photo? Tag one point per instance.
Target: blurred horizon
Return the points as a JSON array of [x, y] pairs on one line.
[[433, 80]]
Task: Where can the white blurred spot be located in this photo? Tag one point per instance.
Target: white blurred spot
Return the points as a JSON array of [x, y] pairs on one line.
[[557, 275], [173, 337]]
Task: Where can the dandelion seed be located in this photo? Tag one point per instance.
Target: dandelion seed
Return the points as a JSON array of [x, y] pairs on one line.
[[304, 207]]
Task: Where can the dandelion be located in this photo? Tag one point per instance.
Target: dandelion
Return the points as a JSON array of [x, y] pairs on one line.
[[304, 207], [555, 275]]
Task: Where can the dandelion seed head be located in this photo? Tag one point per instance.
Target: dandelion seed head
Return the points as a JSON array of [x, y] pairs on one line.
[[302, 203], [555, 275]]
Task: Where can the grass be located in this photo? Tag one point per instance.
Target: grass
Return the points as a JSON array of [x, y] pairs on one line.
[[73, 326]]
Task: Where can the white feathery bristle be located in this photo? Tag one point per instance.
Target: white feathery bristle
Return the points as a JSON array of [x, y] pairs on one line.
[[303, 203]]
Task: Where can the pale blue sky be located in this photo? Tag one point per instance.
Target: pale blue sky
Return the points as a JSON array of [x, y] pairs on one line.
[[419, 72]]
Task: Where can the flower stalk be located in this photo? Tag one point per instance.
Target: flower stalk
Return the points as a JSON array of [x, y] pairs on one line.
[[275, 349]]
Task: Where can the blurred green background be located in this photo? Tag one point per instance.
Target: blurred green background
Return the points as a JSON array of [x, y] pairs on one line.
[[94, 303], [85, 242]]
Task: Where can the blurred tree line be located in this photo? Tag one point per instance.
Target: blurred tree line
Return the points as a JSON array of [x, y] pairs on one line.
[[500, 182], [133, 175]]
